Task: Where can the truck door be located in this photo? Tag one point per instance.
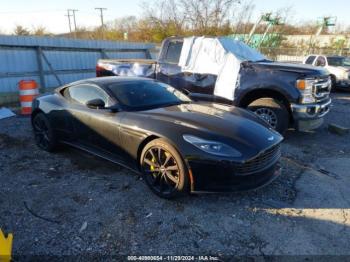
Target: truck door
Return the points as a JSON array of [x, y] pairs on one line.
[[170, 72]]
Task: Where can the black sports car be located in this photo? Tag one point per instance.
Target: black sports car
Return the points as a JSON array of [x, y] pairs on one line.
[[149, 127]]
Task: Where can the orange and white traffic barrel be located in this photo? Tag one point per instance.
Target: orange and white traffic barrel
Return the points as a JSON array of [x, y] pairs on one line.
[[28, 90]]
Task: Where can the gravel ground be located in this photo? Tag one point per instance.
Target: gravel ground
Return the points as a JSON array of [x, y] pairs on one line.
[[71, 203]]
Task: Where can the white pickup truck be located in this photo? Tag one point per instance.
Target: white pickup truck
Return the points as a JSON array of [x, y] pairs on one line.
[[337, 66]]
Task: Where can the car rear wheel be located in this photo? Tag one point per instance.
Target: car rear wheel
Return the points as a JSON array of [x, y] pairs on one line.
[[164, 169], [272, 111], [43, 133]]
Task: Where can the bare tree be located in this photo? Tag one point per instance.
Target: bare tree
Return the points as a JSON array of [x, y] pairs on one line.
[[40, 31], [242, 18], [20, 30], [198, 16]]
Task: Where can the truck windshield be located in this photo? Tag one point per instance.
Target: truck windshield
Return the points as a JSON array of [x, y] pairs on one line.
[[145, 94], [241, 50], [339, 61]]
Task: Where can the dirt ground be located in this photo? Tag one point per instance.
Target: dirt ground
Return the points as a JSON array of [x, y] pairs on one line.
[[70, 203]]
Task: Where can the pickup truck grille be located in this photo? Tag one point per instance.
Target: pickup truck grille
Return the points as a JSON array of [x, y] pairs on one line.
[[322, 88], [260, 162]]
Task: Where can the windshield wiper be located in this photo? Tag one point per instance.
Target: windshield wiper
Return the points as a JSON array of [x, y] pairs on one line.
[[174, 103], [263, 60]]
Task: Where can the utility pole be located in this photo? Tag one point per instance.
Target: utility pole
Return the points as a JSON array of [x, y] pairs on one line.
[[101, 14], [69, 15], [75, 22]]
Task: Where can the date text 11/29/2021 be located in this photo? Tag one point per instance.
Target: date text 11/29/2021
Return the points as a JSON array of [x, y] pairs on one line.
[[172, 258]]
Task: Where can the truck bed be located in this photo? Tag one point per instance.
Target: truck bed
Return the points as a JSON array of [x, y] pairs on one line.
[[126, 67]]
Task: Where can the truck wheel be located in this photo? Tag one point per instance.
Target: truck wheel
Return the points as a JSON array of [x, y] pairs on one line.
[[272, 111]]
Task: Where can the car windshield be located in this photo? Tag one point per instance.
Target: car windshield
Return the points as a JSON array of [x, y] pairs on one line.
[[141, 95], [339, 61]]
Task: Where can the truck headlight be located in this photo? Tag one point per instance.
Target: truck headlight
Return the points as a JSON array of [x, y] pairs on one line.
[[306, 87], [212, 147]]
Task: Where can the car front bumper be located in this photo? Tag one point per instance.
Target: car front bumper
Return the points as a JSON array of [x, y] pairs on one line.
[[310, 116], [213, 177]]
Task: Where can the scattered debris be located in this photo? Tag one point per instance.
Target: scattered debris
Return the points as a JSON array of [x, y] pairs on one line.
[[83, 227], [328, 173], [6, 113], [338, 130], [38, 216], [126, 186]]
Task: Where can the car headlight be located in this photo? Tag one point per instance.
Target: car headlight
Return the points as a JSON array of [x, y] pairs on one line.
[[212, 147], [305, 87], [346, 75]]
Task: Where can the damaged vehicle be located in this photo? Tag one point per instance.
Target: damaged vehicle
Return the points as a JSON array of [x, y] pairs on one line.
[[227, 71], [152, 128]]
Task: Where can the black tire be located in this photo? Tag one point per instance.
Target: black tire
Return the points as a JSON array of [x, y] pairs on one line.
[[334, 83], [164, 169], [44, 135], [273, 112]]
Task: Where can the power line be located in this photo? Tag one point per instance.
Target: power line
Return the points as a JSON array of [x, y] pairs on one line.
[[33, 11]]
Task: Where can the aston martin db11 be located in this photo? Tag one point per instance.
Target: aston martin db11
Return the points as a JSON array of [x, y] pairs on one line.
[[177, 144]]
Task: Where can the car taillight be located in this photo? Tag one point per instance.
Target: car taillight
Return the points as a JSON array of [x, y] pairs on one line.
[[99, 70]]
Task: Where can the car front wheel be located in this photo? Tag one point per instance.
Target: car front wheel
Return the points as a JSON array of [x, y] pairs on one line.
[[164, 169]]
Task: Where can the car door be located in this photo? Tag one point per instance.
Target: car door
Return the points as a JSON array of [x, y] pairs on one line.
[[97, 129], [170, 72]]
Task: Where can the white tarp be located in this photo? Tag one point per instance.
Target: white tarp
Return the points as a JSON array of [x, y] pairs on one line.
[[217, 56]]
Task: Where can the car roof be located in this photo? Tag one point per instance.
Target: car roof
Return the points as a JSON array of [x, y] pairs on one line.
[[335, 56], [332, 56], [102, 81]]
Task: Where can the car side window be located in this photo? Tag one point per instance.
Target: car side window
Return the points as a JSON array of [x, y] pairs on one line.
[[84, 93], [310, 60], [321, 61], [174, 51]]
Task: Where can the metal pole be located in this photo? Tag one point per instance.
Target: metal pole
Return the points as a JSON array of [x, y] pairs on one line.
[[69, 15], [101, 16], [75, 23], [40, 69], [253, 30]]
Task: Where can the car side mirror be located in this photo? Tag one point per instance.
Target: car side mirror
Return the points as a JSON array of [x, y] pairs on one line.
[[97, 103]]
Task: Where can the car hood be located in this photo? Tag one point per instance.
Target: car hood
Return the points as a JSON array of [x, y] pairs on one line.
[[296, 68], [231, 125], [340, 68]]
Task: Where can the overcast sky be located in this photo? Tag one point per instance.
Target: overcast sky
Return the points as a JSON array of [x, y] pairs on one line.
[[51, 14]]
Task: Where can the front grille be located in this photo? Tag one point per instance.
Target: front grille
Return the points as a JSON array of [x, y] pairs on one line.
[[322, 88], [260, 162]]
